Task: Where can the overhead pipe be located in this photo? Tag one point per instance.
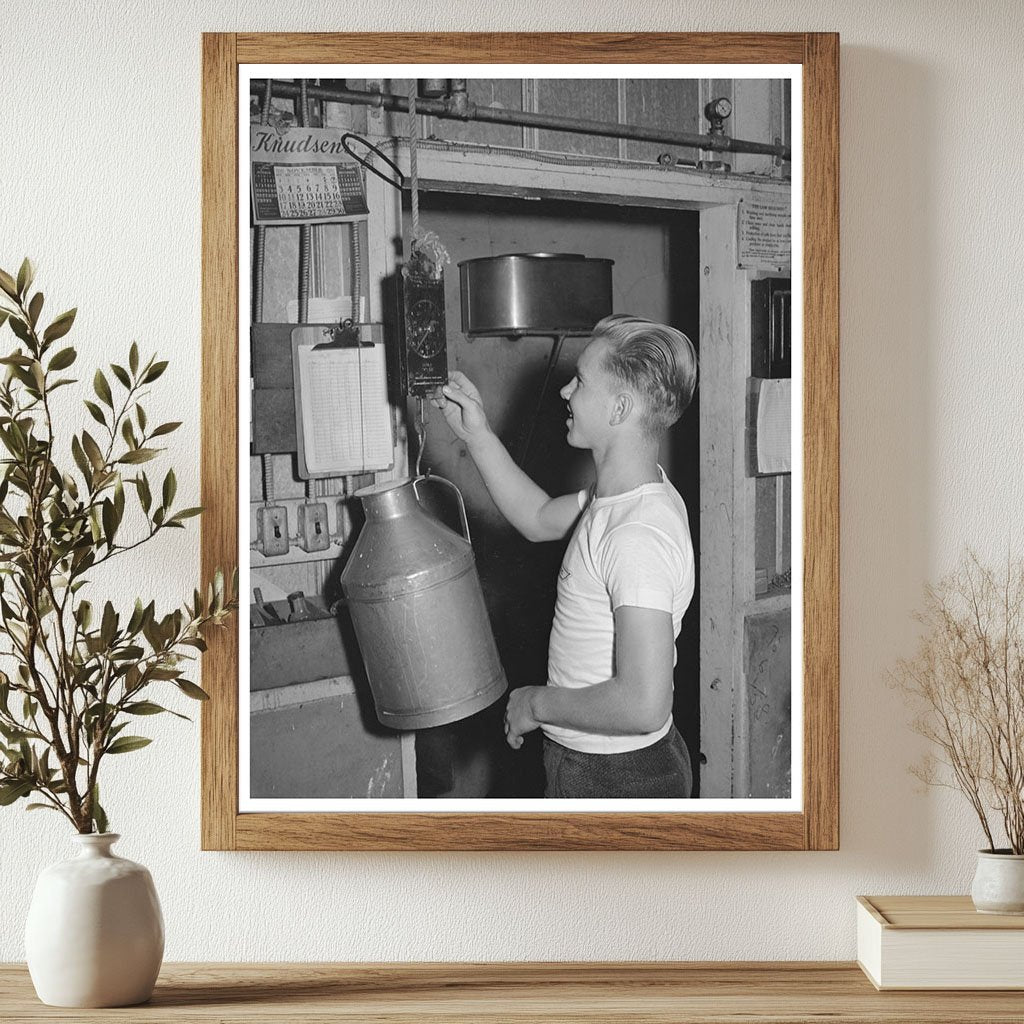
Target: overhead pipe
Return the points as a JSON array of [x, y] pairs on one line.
[[458, 107]]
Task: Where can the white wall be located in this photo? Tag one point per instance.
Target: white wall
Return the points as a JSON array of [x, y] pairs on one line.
[[100, 183]]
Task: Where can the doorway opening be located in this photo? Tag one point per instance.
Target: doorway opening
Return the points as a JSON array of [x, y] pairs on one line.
[[656, 274]]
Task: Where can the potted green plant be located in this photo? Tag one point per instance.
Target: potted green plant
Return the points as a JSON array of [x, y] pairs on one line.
[[967, 682], [78, 672]]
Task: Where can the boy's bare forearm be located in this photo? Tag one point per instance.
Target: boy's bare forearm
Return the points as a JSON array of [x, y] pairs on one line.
[[611, 708], [634, 701]]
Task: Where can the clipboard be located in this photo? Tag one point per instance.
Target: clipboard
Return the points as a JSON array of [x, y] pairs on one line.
[[343, 421]]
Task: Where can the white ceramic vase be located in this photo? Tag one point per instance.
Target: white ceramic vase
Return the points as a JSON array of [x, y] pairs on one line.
[[999, 882], [95, 933]]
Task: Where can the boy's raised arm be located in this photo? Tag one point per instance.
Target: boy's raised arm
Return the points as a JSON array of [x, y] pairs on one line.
[[533, 512]]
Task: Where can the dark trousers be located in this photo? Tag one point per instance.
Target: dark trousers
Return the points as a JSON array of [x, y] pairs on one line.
[[661, 770]]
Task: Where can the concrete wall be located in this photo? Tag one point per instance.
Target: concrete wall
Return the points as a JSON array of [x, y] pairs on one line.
[[101, 182]]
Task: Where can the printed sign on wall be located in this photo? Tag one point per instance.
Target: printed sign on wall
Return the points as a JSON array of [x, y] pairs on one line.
[[764, 233]]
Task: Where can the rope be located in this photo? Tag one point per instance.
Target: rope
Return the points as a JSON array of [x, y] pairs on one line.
[[413, 169]]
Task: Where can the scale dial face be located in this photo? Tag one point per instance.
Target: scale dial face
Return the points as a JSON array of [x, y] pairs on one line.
[[425, 328]]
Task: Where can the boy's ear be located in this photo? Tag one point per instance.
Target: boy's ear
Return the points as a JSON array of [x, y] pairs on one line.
[[622, 408]]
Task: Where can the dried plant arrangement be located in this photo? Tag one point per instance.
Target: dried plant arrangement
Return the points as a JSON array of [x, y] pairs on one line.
[[967, 680], [77, 673]]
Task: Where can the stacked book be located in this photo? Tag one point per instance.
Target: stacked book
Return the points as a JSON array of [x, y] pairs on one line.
[[938, 942]]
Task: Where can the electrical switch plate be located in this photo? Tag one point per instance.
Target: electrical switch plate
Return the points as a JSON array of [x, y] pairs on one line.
[[272, 530], [313, 535]]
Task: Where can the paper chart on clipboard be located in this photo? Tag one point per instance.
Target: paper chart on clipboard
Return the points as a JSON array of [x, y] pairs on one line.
[[343, 418]]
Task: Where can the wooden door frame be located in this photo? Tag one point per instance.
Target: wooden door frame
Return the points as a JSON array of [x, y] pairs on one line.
[[816, 825]]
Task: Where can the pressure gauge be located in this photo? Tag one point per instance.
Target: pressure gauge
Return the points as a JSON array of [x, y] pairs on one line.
[[718, 109], [716, 112]]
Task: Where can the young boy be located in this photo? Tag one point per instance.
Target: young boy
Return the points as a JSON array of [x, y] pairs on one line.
[[628, 572]]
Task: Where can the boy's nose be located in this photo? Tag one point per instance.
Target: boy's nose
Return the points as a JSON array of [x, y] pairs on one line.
[[567, 390]]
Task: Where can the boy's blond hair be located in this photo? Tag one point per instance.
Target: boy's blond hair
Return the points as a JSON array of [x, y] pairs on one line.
[[657, 362]]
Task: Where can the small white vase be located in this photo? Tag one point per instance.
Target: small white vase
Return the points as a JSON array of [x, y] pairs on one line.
[[95, 933], [999, 882]]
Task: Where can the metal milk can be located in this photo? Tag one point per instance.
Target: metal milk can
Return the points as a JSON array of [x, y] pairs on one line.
[[414, 596]]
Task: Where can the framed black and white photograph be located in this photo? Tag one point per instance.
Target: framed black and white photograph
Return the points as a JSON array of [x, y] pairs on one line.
[[520, 357]]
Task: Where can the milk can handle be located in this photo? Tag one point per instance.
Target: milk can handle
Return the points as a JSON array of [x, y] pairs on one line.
[[458, 494]]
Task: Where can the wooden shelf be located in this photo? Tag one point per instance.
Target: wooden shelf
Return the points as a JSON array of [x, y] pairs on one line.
[[694, 993]]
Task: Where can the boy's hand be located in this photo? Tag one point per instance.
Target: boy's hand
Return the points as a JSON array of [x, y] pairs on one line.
[[460, 403], [519, 718]]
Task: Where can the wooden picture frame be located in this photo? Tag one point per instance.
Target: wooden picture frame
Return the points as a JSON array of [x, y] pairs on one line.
[[816, 825]]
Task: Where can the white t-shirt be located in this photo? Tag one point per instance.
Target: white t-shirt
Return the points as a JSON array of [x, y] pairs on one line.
[[627, 549]]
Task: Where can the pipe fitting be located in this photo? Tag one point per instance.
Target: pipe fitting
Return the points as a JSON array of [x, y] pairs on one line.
[[457, 101]]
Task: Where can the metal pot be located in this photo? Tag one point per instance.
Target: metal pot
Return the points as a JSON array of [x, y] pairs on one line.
[[534, 293]]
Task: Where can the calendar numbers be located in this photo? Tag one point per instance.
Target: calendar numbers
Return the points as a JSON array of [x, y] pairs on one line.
[[307, 192]]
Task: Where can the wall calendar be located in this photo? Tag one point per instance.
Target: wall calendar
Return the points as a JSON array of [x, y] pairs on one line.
[[303, 175]]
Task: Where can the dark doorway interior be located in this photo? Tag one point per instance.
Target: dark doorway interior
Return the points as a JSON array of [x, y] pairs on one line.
[[656, 274]]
